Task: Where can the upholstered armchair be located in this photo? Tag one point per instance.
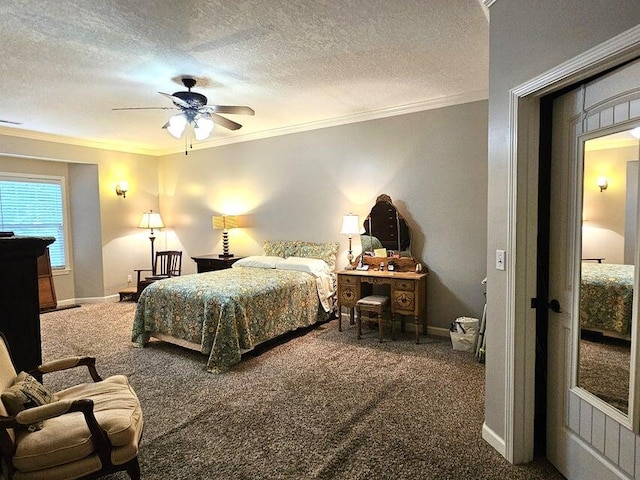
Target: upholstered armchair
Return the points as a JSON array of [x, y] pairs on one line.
[[85, 431]]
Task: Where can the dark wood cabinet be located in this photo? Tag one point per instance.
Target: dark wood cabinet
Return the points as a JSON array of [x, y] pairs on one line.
[[19, 298], [209, 263]]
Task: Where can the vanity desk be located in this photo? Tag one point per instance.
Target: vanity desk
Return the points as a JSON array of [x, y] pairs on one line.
[[386, 237], [408, 293]]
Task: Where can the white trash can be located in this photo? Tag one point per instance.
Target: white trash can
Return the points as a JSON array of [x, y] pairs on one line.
[[464, 333]]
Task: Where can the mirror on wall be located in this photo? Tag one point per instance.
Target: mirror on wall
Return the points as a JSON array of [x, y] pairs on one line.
[[607, 269], [384, 227]]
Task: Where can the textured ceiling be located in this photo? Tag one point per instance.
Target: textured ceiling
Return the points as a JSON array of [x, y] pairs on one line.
[[299, 64]]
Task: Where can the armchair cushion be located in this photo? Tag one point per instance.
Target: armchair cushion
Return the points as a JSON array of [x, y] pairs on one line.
[[66, 438], [26, 392]]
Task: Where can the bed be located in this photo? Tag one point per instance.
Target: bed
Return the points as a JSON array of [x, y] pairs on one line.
[[606, 298], [225, 313]]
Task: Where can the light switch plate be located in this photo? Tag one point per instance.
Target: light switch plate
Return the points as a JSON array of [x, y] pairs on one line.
[[501, 259]]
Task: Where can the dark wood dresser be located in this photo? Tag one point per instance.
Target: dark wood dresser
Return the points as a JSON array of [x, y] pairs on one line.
[[209, 263], [19, 304]]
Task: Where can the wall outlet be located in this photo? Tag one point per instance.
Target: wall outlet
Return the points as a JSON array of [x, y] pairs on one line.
[[501, 259], [129, 279]]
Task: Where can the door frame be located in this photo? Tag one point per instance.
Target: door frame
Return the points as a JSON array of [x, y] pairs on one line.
[[522, 223]]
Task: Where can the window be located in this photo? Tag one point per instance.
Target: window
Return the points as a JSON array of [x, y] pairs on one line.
[[34, 207]]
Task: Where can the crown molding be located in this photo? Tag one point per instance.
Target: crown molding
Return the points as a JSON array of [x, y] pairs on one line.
[[344, 120], [488, 3], [79, 142], [441, 102]]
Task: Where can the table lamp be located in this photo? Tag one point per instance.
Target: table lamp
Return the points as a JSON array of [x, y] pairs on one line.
[[350, 227], [225, 222]]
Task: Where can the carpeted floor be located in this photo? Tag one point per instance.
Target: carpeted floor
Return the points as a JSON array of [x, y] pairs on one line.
[[318, 406], [604, 369]]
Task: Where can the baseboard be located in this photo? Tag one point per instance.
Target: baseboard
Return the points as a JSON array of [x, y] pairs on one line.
[[494, 440], [411, 327], [66, 303], [438, 331], [107, 299]]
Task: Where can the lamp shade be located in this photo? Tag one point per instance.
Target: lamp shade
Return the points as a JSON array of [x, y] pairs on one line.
[[203, 128], [225, 222], [151, 220], [176, 125], [350, 225]]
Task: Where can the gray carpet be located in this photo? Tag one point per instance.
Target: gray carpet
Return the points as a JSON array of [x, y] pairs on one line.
[[321, 405], [604, 370]]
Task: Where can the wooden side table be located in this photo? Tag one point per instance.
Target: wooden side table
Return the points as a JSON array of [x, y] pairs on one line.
[[210, 263]]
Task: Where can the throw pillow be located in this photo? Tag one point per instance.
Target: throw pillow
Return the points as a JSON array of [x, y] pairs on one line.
[[26, 392]]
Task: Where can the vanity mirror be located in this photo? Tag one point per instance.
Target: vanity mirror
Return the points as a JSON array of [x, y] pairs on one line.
[[385, 228]]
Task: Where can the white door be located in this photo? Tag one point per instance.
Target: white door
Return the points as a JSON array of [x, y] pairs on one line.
[[592, 412]]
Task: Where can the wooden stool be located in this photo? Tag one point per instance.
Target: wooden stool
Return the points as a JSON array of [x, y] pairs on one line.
[[375, 304]]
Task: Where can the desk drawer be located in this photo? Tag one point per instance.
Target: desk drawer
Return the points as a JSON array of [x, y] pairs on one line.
[[404, 302], [347, 280], [404, 285]]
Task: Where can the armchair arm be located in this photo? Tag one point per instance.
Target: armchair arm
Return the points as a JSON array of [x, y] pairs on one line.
[[43, 412], [70, 362]]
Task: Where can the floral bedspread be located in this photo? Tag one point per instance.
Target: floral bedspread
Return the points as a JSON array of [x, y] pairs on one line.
[[228, 311], [606, 297]]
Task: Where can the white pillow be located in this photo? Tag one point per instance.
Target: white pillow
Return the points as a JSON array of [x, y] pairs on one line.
[[258, 261], [303, 264]]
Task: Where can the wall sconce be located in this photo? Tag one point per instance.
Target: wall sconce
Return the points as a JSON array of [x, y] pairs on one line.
[[602, 183], [122, 188]]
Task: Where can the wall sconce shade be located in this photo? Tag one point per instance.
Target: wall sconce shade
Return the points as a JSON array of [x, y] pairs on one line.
[[603, 183], [122, 188], [225, 222]]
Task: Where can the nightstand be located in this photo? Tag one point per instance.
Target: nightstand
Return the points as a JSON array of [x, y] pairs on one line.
[[209, 263]]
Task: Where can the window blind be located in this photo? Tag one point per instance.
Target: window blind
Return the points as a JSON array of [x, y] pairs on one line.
[[34, 207]]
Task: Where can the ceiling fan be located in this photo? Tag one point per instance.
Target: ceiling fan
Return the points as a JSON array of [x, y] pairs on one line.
[[194, 111]]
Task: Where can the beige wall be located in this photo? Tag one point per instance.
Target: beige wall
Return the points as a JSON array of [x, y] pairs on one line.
[[106, 241], [603, 226], [527, 39], [298, 186]]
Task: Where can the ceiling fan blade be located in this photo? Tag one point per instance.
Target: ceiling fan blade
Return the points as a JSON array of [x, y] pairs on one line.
[[11, 122], [225, 122], [236, 109], [176, 100], [145, 108]]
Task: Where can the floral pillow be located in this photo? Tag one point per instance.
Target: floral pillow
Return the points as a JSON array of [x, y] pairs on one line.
[[323, 251], [297, 248], [278, 248]]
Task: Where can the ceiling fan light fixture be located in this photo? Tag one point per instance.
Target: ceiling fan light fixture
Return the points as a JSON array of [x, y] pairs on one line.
[[202, 128], [177, 124]]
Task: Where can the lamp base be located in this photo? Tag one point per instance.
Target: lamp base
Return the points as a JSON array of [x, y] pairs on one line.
[[225, 255], [349, 267]]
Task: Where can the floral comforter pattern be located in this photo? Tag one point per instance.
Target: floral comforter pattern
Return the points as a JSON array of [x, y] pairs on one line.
[[606, 297], [228, 311]]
